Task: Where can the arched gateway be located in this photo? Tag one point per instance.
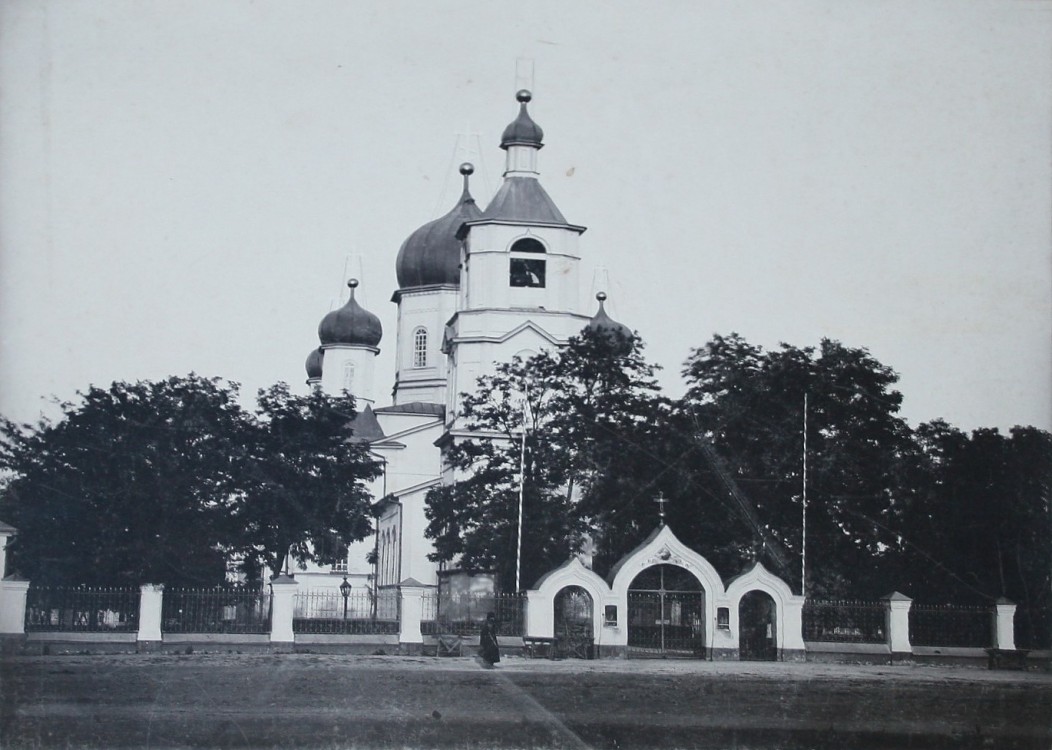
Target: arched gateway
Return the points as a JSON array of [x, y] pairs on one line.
[[663, 599]]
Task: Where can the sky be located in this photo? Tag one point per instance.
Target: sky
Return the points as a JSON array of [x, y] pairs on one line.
[[185, 186]]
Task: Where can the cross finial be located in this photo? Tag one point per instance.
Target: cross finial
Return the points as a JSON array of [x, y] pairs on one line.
[[661, 500]]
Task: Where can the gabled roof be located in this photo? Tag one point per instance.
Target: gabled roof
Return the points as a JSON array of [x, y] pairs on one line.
[[6, 528]]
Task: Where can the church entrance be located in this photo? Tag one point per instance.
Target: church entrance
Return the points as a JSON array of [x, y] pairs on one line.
[[666, 614], [756, 627], [573, 623]]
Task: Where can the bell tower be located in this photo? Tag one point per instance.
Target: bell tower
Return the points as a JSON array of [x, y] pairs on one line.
[[519, 270]]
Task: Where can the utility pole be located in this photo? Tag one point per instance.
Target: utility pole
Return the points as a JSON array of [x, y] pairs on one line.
[[803, 511]]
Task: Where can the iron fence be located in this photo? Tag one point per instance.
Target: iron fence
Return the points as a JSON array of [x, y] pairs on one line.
[[82, 609], [221, 609], [951, 625], [844, 621], [463, 614], [327, 611]]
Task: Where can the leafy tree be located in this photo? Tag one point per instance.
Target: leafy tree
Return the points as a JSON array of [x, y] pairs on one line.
[[748, 404], [979, 526], [302, 493], [133, 484], [584, 408]]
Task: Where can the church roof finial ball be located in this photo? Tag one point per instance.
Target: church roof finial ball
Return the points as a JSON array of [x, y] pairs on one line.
[[467, 168], [523, 95], [601, 296], [352, 283]]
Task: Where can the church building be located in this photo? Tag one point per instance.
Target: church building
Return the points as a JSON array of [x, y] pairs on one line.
[[475, 288]]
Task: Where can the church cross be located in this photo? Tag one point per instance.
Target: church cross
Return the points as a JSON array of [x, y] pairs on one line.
[[661, 500]]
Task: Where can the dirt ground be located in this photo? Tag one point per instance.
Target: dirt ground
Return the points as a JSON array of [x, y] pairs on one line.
[[342, 701]]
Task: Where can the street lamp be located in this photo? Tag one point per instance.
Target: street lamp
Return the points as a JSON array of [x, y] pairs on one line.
[[345, 590]]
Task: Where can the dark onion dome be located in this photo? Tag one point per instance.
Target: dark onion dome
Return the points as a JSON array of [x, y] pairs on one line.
[[314, 360], [523, 131], [351, 324], [603, 323], [431, 254]]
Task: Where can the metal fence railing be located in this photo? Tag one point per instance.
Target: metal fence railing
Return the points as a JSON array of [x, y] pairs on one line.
[[463, 614], [82, 609], [221, 609], [844, 621], [951, 625], [327, 611]]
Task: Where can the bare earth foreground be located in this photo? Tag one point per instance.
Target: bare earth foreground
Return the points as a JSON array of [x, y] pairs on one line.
[[340, 701]]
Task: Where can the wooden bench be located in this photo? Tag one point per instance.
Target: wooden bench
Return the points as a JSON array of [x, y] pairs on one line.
[[537, 646]]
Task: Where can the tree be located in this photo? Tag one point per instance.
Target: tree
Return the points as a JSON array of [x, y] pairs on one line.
[[749, 404], [979, 526], [582, 409], [302, 492], [133, 484]]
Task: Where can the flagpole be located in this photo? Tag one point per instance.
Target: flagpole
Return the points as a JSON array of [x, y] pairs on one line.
[[803, 541], [522, 483]]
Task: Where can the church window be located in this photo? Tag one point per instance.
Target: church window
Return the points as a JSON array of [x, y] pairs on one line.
[[348, 377], [420, 347], [527, 272]]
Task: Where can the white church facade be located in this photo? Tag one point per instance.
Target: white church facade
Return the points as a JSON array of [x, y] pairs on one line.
[[475, 288]]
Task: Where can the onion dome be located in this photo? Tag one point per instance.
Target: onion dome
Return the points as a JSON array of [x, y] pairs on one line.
[[352, 324], [314, 360], [523, 131], [603, 323], [431, 254]]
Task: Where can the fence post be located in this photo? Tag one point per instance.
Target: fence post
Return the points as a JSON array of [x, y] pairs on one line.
[[1004, 625], [411, 609], [151, 600], [283, 608], [897, 624], [13, 605]]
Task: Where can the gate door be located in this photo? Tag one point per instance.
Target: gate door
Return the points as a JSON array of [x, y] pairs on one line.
[[756, 627], [666, 614], [573, 623]]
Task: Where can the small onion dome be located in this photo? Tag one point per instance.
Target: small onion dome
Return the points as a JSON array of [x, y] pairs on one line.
[[431, 254], [603, 323], [314, 360], [351, 324], [523, 131]]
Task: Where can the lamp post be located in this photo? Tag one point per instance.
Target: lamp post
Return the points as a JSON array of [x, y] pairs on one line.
[[345, 590]]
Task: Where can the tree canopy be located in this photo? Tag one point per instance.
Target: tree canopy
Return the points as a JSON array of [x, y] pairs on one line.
[[167, 481], [570, 409]]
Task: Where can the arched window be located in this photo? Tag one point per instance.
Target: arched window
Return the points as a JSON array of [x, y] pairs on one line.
[[420, 347], [529, 272]]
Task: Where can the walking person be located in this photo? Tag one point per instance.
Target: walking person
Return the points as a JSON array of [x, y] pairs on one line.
[[489, 651]]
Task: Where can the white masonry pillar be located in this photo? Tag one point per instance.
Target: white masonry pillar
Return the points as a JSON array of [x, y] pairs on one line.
[[1004, 625], [151, 600], [283, 607], [897, 623]]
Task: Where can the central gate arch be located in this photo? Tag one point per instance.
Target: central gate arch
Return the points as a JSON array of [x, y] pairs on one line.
[[666, 613]]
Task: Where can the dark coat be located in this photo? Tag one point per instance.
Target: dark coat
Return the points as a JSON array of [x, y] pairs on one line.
[[488, 649]]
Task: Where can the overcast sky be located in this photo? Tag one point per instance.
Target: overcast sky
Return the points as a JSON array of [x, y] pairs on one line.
[[183, 184]]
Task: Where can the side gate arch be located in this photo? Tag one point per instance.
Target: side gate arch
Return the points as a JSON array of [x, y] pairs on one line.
[[787, 622], [540, 612]]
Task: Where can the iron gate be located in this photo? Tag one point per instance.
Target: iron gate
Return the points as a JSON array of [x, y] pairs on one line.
[[666, 614]]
